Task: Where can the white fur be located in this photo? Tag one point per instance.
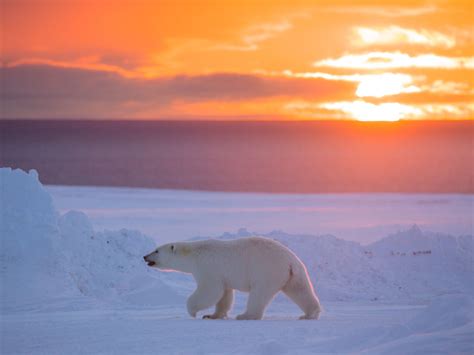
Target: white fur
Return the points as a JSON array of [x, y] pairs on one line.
[[260, 266]]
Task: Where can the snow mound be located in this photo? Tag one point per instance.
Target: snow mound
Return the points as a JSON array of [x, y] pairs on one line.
[[45, 256], [426, 262], [411, 265], [109, 264], [27, 209], [29, 264]]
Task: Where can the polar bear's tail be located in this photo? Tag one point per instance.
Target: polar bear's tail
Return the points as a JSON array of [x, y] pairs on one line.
[[300, 289]]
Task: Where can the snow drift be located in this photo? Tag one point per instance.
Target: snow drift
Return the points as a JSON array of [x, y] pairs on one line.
[[30, 237], [46, 257]]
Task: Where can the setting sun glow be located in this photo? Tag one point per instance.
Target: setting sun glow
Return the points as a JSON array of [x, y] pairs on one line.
[[375, 61]]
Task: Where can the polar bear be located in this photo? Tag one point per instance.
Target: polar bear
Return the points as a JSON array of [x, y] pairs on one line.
[[257, 265]]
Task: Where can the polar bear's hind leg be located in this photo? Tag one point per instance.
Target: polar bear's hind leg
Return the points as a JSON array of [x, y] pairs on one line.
[[258, 300], [223, 306], [300, 290]]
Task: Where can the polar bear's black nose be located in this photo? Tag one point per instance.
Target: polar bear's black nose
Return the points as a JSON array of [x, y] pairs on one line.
[[144, 258]]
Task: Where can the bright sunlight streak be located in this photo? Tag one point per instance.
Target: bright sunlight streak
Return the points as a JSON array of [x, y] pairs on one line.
[[364, 111], [379, 85]]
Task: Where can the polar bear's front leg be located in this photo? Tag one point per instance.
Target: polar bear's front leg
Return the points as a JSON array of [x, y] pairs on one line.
[[223, 306], [258, 300], [205, 296]]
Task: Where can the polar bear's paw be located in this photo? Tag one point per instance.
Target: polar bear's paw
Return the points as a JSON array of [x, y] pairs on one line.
[[214, 316], [311, 316], [245, 316]]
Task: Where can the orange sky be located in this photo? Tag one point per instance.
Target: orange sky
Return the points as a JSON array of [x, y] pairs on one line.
[[237, 59]]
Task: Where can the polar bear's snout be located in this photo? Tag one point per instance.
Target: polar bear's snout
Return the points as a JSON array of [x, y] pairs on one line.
[[163, 257], [148, 261]]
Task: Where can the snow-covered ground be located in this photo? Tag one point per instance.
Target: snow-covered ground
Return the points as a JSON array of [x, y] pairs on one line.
[[394, 272], [444, 327]]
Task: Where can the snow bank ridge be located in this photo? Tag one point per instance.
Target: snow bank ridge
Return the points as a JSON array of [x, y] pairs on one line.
[[45, 256]]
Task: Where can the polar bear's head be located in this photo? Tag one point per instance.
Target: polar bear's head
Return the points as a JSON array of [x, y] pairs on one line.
[[173, 256]]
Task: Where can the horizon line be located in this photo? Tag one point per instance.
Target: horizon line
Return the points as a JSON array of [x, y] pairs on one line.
[[232, 119]]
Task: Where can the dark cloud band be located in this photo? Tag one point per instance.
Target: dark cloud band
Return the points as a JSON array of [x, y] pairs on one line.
[[51, 91]]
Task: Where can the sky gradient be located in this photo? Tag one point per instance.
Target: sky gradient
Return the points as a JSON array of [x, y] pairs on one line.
[[237, 59]]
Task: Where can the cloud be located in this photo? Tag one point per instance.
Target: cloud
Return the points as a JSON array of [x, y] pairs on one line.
[[395, 35], [394, 111], [384, 11], [249, 41], [86, 63], [363, 110], [426, 97], [392, 60], [254, 35], [374, 85], [45, 90]]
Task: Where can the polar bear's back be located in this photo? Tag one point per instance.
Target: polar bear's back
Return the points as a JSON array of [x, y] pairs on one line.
[[244, 262], [252, 249]]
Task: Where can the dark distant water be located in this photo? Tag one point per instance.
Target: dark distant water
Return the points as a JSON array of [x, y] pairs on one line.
[[246, 156]]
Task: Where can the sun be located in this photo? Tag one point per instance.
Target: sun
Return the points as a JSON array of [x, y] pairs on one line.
[[380, 85], [369, 112]]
